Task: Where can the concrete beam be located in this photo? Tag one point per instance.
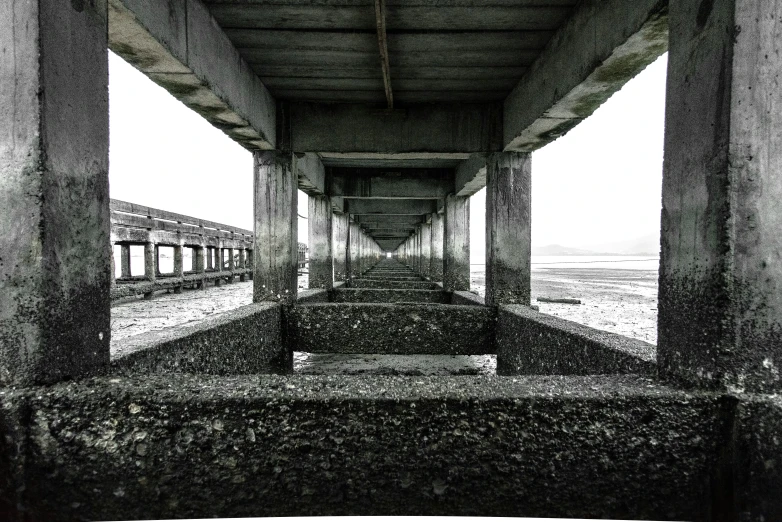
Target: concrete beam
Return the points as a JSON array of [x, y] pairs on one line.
[[391, 184], [604, 44], [180, 46], [470, 175], [430, 128], [415, 207], [310, 173]]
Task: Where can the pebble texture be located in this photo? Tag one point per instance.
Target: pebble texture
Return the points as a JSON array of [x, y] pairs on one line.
[[183, 446], [242, 341], [392, 329], [529, 342]]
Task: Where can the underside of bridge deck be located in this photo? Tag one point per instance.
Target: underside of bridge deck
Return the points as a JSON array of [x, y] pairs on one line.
[[390, 114]]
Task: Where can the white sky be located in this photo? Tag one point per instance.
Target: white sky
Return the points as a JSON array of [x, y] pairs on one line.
[[601, 182]]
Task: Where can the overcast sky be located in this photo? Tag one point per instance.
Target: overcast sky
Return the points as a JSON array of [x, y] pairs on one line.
[[599, 183]]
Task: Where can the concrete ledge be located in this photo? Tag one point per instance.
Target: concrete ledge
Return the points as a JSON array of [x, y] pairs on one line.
[[243, 341], [466, 298], [529, 342], [392, 328], [398, 285], [312, 295], [379, 295], [179, 446]]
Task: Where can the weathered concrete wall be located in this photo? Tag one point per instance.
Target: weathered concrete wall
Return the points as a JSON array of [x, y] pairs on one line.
[[55, 258], [385, 295], [529, 342], [179, 46], [392, 328], [720, 311], [183, 446], [246, 340], [603, 45]]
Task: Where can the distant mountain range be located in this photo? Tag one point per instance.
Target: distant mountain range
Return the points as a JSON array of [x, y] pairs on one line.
[[648, 245]]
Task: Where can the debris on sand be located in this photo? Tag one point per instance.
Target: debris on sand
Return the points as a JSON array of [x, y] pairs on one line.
[[559, 300]]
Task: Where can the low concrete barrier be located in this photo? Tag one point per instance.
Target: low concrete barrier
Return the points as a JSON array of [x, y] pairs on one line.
[[392, 329], [529, 342], [378, 295], [314, 295], [466, 298], [182, 446], [399, 285], [242, 341]]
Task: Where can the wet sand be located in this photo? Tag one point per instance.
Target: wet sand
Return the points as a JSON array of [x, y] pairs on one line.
[[618, 300]]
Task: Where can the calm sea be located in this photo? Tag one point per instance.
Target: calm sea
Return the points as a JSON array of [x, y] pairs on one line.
[[612, 262]]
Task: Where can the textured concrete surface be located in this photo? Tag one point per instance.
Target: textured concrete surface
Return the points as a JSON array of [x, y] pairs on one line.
[[466, 298], [241, 341], [385, 295], [55, 257], [529, 342], [758, 458], [398, 285], [392, 328], [720, 321], [201, 446], [313, 295]]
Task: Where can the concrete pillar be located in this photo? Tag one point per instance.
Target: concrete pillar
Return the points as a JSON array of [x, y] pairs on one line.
[[250, 262], [426, 250], [150, 265], [199, 264], [218, 264], [436, 266], [229, 263], [456, 255], [124, 260], [55, 274], [319, 221], [508, 228], [353, 239], [179, 268], [276, 228], [242, 264], [720, 287], [339, 245]]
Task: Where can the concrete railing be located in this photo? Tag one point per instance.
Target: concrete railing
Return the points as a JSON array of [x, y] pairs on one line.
[[219, 252]]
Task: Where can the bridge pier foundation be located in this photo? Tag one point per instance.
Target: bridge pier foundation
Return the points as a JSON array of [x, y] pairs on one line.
[[436, 266]]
